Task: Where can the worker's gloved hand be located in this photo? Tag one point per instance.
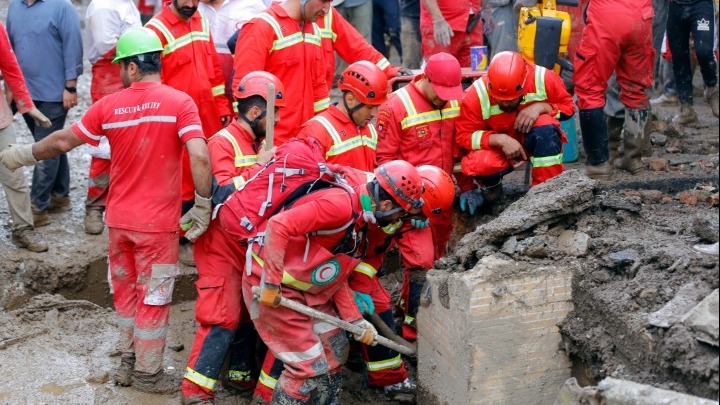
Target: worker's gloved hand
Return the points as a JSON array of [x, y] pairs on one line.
[[471, 200], [196, 221], [270, 295], [405, 72], [369, 333], [39, 118], [17, 156], [364, 303], [442, 31], [420, 223]]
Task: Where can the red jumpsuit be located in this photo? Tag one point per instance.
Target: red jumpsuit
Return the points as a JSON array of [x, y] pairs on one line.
[[220, 261], [342, 141], [457, 14], [480, 117], [338, 35], [274, 43], [617, 37], [190, 64]]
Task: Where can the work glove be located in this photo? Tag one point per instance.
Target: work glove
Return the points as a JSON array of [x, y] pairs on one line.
[[364, 303], [420, 223], [405, 72], [471, 200], [196, 221], [270, 295], [17, 156], [442, 32], [369, 333], [39, 118]]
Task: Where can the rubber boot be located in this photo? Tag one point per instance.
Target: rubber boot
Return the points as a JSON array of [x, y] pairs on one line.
[[280, 397], [94, 223], [124, 373], [159, 383], [634, 138], [593, 126], [686, 116], [614, 131]]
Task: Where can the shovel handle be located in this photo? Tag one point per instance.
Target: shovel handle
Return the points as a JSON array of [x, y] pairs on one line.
[[345, 325], [270, 117]]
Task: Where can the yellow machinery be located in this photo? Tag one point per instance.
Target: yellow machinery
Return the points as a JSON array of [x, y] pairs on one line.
[[544, 34]]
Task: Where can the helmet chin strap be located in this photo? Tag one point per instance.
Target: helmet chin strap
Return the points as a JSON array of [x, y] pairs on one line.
[[254, 124], [349, 110], [374, 190], [302, 9]]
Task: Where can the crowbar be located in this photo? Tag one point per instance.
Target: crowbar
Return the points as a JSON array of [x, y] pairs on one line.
[[270, 117], [345, 325]]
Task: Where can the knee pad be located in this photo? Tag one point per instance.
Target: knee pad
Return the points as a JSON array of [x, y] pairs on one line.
[[543, 140]]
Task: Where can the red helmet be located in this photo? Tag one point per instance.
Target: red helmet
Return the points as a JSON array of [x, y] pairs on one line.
[[366, 81], [402, 181], [255, 84], [506, 76], [439, 191]]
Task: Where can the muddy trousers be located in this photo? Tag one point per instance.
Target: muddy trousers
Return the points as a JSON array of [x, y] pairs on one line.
[[15, 186], [312, 351], [98, 182], [223, 321], [544, 146], [143, 267], [384, 366]]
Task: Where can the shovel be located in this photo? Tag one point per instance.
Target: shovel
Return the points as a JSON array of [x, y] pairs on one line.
[[270, 117], [354, 329]]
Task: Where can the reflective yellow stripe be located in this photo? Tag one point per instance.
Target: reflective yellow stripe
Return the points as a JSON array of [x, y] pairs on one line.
[[407, 102], [422, 118], [154, 22], [388, 364], [283, 41], [453, 111], [540, 92], [327, 31], [240, 375], [408, 320], [546, 161], [329, 128], [238, 182], [235, 109], [476, 141], [457, 168], [266, 380], [383, 63], [218, 90], [199, 379], [173, 43], [240, 159], [321, 105], [366, 269], [414, 118], [287, 279], [257, 258], [486, 108]]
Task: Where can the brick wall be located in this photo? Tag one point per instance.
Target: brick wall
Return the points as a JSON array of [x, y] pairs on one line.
[[489, 335]]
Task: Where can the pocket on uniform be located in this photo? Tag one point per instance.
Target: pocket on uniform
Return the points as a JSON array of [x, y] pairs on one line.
[[210, 307], [160, 285]]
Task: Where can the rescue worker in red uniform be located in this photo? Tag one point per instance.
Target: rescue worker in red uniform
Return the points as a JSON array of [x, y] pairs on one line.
[[345, 131], [190, 64], [142, 205], [106, 21], [313, 351], [417, 124], [285, 41], [338, 35], [236, 155], [451, 26], [508, 115], [617, 37]]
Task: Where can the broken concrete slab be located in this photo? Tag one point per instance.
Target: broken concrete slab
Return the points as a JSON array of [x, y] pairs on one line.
[[569, 193], [682, 159], [707, 225], [623, 257], [673, 312], [631, 203], [574, 243], [703, 319], [623, 392]]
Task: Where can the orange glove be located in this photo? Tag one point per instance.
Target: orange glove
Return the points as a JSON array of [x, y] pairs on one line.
[[369, 333], [270, 295]]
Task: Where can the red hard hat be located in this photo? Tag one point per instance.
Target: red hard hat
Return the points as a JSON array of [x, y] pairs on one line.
[[402, 181], [366, 81], [439, 191], [506, 76], [255, 84]]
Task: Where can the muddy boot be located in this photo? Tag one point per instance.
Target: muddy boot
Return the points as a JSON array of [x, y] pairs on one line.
[[58, 202], [633, 140], [602, 171], [94, 224], [40, 218], [493, 193], [158, 383], [686, 115], [26, 238], [195, 400], [124, 373], [593, 125], [407, 386], [614, 128], [280, 397], [711, 96], [666, 99]]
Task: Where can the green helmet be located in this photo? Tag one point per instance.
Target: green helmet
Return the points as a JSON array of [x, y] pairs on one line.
[[136, 41]]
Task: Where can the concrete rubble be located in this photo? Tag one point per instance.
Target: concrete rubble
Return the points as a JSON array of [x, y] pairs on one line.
[[611, 391]]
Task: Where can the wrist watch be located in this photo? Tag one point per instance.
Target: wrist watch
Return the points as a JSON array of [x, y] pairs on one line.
[[72, 90]]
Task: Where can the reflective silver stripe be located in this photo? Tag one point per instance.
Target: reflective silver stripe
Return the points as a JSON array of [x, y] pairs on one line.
[[266, 380], [322, 327], [199, 379], [189, 128], [546, 161], [88, 133], [540, 92], [141, 120], [151, 334], [126, 322], [298, 357]]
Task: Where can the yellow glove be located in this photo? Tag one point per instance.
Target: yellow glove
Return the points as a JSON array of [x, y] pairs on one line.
[[196, 221], [17, 156], [270, 295], [369, 332], [39, 118]]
